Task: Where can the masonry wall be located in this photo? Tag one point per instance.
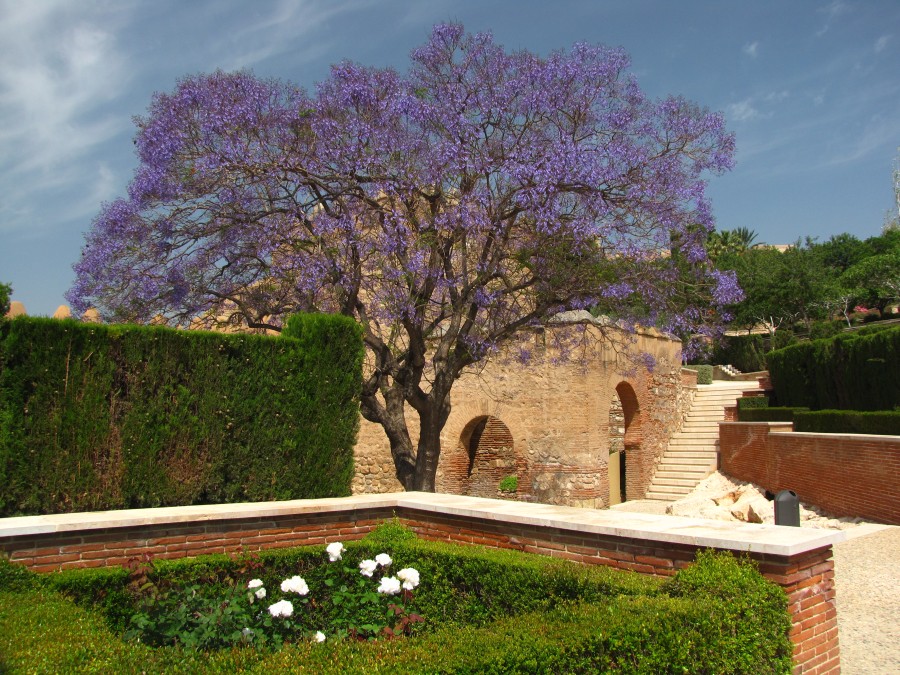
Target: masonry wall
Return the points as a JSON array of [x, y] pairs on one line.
[[807, 578], [558, 416], [844, 474]]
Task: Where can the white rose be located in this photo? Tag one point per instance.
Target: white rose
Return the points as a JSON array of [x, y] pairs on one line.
[[334, 551], [319, 637], [296, 585], [409, 577], [283, 608], [389, 586], [383, 559], [260, 593], [367, 567], [254, 583]]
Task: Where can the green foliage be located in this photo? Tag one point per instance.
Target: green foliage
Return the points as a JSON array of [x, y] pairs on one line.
[[5, 295], [752, 402], [704, 373], [104, 417], [717, 616], [884, 423], [775, 414], [851, 371], [744, 352], [509, 484]]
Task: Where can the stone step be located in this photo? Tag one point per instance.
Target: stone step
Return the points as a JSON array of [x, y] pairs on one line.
[[665, 496], [684, 461], [702, 441], [692, 453], [689, 483]]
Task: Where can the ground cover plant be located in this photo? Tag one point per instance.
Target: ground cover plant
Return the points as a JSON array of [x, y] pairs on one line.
[[484, 611]]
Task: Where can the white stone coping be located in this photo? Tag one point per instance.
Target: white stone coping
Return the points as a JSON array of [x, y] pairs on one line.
[[739, 537], [868, 438]]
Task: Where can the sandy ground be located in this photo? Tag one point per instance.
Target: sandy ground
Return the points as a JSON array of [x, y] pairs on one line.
[[866, 568]]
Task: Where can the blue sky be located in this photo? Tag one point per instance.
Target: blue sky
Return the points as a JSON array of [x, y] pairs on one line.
[[810, 87]]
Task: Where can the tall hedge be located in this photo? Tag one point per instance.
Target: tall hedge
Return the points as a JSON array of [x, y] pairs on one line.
[[104, 417], [851, 371]]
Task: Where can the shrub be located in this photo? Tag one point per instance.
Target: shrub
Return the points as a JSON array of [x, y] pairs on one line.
[[718, 615], [704, 373], [885, 423], [752, 402], [509, 484], [744, 352], [858, 370], [104, 417]]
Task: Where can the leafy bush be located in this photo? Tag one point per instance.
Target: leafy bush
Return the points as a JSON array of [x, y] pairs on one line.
[[104, 417], [885, 423], [704, 373], [752, 402], [744, 352], [509, 484], [716, 616]]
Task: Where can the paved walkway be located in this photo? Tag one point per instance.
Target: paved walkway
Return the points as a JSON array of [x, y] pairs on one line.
[[867, 585]]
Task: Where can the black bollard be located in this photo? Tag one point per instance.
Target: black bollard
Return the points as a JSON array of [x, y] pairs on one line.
[[787, 508]]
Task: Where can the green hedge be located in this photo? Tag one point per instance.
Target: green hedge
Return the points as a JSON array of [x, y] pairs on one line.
[[851, 371], [704, 373], [769, 414], [752, 402], [105, 417], [885, 423], [507, 613]]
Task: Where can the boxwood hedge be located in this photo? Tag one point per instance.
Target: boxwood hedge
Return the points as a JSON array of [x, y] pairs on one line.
[[489, 612]]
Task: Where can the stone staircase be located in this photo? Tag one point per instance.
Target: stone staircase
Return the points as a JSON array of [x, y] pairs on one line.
[[691, 455]]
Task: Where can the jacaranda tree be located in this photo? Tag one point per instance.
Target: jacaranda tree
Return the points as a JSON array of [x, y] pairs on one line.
[[447, 210]]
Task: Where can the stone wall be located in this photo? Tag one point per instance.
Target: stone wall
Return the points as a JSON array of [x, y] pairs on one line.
[[557, 416]]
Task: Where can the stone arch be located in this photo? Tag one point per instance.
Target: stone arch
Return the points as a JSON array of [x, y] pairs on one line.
[[484, 455], [631, 460]]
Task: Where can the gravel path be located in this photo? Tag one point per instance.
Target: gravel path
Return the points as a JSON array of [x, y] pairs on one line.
[[867, 584]]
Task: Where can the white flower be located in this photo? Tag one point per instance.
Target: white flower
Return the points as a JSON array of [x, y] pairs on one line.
[[319, 636], [409, 577], [334, 551], [389, 586], [247, 632], [260, 593], [367, 567], [283, 608], [296, 585], [254, 583], [383, 559]]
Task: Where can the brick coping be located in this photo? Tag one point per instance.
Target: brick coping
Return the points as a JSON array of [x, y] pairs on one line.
[[739, 537]]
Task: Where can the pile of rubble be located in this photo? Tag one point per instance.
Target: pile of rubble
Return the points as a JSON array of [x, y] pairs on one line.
[[719, 497]]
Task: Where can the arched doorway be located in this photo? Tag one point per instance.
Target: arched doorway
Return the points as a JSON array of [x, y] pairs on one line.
[[488, 446], [625, 441]]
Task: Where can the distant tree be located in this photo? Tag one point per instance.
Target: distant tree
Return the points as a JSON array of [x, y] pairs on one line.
[[447, 210], [5, 295], [726, 242]]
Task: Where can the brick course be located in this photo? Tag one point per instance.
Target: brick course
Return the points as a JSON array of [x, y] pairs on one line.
[[845, 474]]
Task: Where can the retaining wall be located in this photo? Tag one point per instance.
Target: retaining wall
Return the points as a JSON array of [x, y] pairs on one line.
[[800, 561], [844, 474]]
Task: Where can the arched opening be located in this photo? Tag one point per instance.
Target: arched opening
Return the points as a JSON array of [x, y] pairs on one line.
[[630, 422], [488, 446], [616, 467]]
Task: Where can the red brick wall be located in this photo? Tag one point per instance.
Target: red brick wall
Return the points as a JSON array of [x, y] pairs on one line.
[[807, 578], [846, 475]]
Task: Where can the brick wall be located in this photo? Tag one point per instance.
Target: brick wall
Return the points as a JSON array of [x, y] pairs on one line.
[[806, 576], [844, 474]]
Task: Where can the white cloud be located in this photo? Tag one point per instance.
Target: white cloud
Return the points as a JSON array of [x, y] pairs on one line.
[[751, 49], [831, 11], [61, 68], [742, 111], [881, 43]]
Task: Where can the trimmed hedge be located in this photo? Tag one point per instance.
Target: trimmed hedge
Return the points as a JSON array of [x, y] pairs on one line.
[[744, 352], [516, 614], [752, 402], [769, 414], [885, 423], [704, 373], [107, 417], [851, 371]]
